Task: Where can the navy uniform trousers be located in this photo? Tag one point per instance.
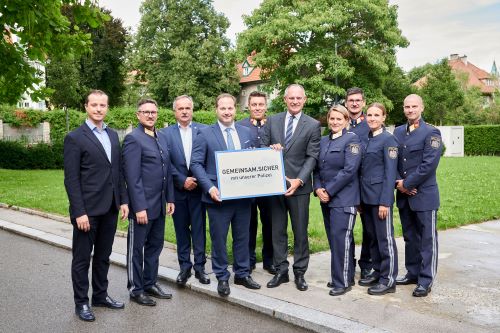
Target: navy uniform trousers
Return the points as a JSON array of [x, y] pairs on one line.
[[419, 155], [377, 178]]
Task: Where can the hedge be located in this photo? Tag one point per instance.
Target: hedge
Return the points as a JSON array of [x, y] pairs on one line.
[[482, 140], [18, 155]]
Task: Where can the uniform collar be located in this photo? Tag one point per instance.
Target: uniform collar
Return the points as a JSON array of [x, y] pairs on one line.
[[377, 132], [337, 135], [262, 121]]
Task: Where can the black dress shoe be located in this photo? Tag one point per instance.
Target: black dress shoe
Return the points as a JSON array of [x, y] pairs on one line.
[[271, 269], [368, 281], [156, 291], [143, 299], [381, 289], [339, 291], [421, 291], [109, 303], [278, 279], [406, 280], [183, 277], [84, 312], [202, 277], [365, 272], [223, 288], [246, 282], [301, 283]]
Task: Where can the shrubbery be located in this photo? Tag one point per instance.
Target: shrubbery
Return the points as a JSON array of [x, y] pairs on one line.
[[18, 155], [482, 140]]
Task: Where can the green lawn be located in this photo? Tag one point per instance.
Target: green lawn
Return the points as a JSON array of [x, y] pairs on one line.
[[470, 192]]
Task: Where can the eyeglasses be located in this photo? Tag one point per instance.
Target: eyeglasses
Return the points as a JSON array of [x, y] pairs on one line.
[[149, 113], [354, 101]]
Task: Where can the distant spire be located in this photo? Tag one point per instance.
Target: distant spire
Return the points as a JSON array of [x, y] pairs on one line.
[[494, 70]]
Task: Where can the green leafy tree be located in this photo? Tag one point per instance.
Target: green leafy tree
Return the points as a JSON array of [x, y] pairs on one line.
[[181, 49], [34, 30], [63, 77], [325, 45]]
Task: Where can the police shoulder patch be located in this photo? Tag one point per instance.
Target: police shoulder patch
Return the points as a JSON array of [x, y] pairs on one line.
[[393, 152], [435, 142], [354, 148]]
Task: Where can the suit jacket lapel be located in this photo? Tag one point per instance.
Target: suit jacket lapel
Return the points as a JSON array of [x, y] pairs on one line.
[[244, 140], [300, 126], [282, 122], [219, 137], [88, 133], [178, 144]]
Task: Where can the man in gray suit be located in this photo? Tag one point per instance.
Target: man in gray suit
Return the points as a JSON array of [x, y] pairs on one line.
[[298, 136]]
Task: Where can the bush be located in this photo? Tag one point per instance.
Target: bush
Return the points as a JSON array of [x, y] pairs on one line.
[[482, 140], [18, 155]]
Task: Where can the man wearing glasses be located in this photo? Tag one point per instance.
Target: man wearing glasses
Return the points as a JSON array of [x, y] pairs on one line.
[[355, 102], [148, 174]]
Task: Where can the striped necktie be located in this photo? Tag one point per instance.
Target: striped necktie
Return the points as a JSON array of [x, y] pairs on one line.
[[230, 142], [289, 130]]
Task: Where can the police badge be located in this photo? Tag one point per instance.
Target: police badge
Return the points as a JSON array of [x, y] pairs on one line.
[[354, 148], [393, 152], [435, 142]]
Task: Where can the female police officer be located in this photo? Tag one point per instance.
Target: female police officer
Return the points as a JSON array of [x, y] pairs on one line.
[[337, 187], [377, 178]]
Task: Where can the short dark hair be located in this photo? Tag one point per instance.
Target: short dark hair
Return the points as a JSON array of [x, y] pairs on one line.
[[95, 92], [256, 94], [353, 91], [224, 95], [143, 101]]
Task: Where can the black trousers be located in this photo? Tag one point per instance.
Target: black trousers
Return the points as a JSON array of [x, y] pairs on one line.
[[100, 237], [264, 208]]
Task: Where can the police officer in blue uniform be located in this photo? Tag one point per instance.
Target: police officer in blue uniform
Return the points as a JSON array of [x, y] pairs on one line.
[[377, 178], [418, 196], [337, 187], [355, 102], [257, 106], [189, 217], [148, 174]]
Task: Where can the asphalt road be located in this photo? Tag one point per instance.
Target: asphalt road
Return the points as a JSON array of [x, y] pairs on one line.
[[36, 296]]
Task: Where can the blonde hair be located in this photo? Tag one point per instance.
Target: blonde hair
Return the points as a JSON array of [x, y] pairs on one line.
[[342, 110]]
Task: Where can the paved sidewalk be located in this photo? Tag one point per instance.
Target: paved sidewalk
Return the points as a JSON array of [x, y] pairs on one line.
[[465, 297]]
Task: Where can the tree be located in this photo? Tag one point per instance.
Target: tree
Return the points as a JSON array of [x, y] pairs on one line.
[[396, 87], [181, 49], [325, 45], [101, 68], [34, 30], [441, 93]]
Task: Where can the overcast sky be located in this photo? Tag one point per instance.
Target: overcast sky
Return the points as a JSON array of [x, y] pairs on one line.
[[435, 28]]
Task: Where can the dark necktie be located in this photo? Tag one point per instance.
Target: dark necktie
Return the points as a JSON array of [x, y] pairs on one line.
[[230, 142], [289, 131]]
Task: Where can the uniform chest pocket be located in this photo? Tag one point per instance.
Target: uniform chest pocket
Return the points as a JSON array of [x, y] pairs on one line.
[[335, 150], [420, 146], [376, 179]]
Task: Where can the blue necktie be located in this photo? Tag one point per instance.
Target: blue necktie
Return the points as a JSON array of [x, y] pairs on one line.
[[289, 130], [230, 142]]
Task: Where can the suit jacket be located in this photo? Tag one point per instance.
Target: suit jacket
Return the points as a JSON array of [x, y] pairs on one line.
[[148, 173], [361, 130], [337, 169], [93, 183], [256, 132], [180, 170], [419, 154], [379, 170], [301, 155], [207, 142]]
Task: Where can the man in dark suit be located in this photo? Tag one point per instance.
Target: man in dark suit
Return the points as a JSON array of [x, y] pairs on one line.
[[189, 216], [224, 135], [150, 188], [355, 102], [257, 106], [417, 195], [96, 191], [298, 135]]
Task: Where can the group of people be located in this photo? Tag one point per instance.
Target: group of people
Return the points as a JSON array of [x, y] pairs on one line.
[[172, 171]]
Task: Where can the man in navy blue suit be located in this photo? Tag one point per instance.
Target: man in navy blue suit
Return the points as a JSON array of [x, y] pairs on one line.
[[189, 216], [355, 102], [224, 135], [257, 106], [96, 191], [417, 195], [150, 188]]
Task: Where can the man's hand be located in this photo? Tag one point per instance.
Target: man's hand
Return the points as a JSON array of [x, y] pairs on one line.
[[276, 146], [294, 185], [83, 223], [124, 211], [402, 189], [170, 208], [382, 212], [215, 194], [322, 195], [141, 217], [190, 184]]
